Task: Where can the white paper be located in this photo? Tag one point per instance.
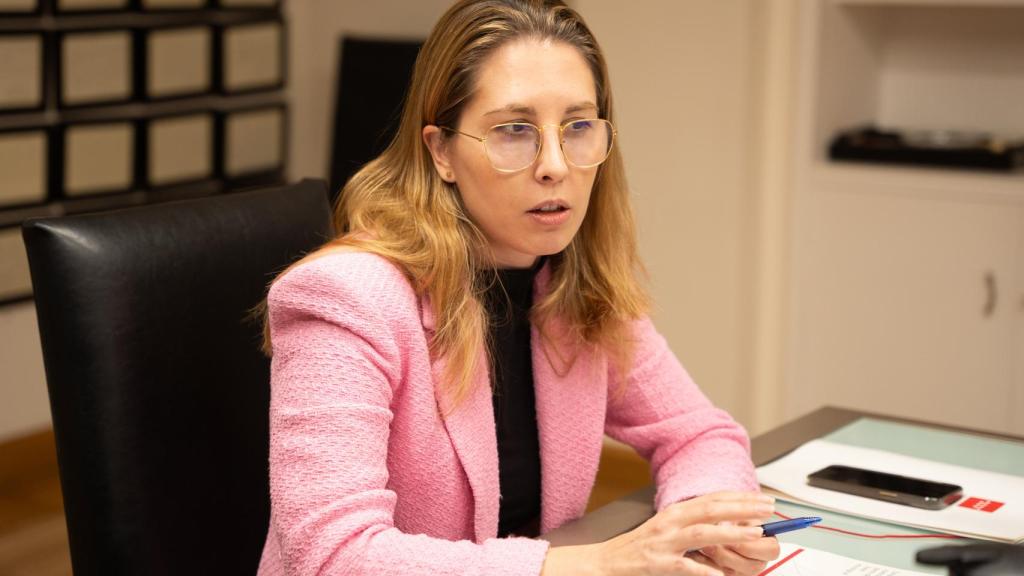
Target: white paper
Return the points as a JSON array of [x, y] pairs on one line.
[[788, 475], [800, 561]]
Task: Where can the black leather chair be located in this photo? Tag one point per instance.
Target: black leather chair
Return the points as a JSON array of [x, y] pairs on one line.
[[158, 390]]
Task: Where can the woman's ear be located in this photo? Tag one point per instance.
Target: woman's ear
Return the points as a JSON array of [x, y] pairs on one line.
[[433, 137]]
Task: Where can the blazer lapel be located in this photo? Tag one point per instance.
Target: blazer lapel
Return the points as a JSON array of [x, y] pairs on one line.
[[471, 428], [570, 402], [570, 399]]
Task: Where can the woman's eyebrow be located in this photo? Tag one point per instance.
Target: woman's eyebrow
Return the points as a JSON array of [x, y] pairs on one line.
[[516, 108], [512, 108], [581, 106]]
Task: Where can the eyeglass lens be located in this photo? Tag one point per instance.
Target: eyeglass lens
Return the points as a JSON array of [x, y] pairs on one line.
[[515, 146]]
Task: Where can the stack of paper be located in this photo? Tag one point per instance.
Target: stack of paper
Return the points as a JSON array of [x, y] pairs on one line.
[[992, 507], [800, 561]]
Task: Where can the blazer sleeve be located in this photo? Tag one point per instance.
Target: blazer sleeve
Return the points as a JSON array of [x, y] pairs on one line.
[[337, 360], [694, 448]]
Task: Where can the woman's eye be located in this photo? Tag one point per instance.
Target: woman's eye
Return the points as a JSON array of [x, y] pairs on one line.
[[580, 125], [513, 129]]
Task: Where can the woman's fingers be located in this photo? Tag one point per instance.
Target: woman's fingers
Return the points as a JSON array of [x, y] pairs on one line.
[[711, 511], [705, 561], [700, 535], [660, 545], [698, 565], [732, 562], [762, 549]]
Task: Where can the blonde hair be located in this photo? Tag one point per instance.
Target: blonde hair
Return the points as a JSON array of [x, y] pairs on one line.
[[398, 207]]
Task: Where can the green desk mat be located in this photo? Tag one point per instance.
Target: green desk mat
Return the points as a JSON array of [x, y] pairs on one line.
[[979, 452]]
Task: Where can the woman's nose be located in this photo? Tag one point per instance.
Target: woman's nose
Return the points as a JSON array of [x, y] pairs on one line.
[[551, 165]]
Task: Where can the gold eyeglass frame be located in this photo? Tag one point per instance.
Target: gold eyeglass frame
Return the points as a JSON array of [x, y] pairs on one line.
[[540, 148]]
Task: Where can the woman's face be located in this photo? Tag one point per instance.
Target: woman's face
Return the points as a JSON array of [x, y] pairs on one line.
[[543, 83]]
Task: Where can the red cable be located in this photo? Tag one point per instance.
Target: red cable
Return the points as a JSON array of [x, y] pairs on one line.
[[876, 536]]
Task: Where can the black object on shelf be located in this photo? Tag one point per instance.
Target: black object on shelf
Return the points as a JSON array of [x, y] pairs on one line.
[[948, 149]]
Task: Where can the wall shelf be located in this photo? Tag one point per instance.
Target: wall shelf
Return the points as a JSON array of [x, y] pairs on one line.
[[939, 184], [924, 65], [907, 282]]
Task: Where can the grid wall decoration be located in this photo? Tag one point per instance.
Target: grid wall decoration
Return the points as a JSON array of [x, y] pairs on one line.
[[114, 103]]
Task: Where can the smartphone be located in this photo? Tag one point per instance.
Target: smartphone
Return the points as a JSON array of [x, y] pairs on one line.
[[888, 487]]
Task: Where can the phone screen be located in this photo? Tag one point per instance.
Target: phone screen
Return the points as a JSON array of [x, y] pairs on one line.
[[884, 481]]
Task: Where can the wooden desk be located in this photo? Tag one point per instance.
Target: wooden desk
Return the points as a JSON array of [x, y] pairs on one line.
[[629, 512]]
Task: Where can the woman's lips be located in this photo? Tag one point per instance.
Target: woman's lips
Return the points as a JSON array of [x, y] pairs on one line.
[[550, 217], [551, 205]]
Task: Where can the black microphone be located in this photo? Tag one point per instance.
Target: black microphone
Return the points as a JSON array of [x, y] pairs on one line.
[[988, 559]]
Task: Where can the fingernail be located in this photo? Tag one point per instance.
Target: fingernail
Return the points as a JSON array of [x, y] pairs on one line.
[[753, 532], [766, 509], [766, 498]]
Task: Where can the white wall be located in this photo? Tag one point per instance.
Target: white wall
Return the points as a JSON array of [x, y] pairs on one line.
[[315, 27], [24, 407], [688, 85], [687, 94], [701, 136], [686, 100]]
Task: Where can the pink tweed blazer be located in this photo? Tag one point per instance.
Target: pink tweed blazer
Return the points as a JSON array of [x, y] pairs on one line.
[[368, 475]]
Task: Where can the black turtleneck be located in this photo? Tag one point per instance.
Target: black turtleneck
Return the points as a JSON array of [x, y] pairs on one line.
[[508, 305]]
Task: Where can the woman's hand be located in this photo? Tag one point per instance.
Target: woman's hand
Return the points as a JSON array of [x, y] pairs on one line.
[[743, 559], [661, 545]]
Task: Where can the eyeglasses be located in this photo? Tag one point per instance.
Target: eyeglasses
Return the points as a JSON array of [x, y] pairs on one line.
[[515, 146]]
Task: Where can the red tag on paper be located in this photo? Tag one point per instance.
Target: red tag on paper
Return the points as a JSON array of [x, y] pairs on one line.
[[981, 504]]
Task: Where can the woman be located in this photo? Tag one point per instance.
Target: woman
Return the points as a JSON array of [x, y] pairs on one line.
[[443, 372]]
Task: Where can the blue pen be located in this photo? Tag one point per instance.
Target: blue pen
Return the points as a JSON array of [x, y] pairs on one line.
[[773, 528]]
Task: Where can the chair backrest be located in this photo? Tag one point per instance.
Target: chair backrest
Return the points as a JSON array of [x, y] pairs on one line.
[[158, 389], [373, 80]]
